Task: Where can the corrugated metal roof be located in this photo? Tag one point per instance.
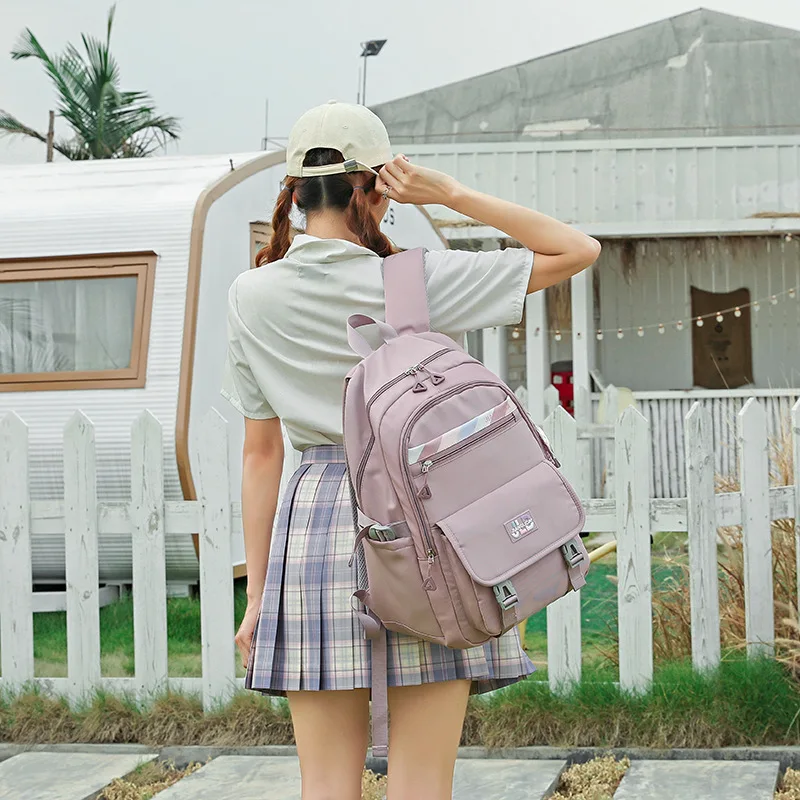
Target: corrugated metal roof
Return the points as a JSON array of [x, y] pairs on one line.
[[638, 187], [700, 73]]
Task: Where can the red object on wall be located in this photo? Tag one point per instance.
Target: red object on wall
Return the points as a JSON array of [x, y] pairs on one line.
[[561, 378]]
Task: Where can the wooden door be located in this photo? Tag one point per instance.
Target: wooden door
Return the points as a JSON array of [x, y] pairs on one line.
[[722, 352]]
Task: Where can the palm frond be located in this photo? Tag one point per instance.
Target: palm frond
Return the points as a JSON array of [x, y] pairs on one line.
[[106, 121], [11, 126]]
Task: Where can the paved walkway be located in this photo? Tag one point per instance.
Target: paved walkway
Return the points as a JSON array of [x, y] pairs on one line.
[[62, 775]]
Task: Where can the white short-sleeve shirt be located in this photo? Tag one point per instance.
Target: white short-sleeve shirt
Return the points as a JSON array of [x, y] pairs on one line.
[[287, 341]]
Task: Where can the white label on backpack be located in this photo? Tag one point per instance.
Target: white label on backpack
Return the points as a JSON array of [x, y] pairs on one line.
[[521, 526]]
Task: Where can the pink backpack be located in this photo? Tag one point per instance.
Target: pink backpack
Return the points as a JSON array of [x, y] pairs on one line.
[[467, 525]]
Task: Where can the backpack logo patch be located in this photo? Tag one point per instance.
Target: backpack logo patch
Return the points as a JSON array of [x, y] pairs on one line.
[[521, 526]]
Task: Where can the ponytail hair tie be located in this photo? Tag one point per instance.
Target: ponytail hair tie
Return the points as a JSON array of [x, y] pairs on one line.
[[363, 188]]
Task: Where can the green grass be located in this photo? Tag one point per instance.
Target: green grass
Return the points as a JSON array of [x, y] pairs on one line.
[[743, 703], [116, 637]]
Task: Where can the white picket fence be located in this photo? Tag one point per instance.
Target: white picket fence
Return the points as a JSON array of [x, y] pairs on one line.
[[631, 514]]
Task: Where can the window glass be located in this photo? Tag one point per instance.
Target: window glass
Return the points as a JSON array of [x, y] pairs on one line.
[[67, 325]]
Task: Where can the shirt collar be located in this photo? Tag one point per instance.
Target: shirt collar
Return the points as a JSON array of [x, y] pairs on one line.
[[312, 248]]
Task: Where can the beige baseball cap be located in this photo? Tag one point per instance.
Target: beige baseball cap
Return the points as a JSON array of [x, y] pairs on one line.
[[353, 130]]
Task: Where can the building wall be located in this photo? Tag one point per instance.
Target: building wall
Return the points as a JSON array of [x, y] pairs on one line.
[[654, 286]]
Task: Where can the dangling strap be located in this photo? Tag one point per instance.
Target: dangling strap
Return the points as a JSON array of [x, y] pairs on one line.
[[406, 295], [376, 633]]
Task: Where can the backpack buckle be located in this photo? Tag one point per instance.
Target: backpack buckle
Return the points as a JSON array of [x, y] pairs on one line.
[[572, 553], [506, 595]]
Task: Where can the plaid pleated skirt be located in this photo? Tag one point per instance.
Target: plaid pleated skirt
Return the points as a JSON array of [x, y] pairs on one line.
[[308, 637]]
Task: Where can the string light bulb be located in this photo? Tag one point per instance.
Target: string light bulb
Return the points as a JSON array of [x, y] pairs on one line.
[[789, 237], [515, 334], [699, 320]]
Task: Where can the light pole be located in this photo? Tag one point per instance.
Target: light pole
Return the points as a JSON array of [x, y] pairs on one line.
[[370, 48]]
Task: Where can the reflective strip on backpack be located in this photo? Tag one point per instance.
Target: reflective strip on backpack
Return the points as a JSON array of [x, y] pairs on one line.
[[424, 451]]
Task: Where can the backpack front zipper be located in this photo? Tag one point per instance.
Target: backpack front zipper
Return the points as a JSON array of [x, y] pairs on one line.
[[458, 449], [386, 386]]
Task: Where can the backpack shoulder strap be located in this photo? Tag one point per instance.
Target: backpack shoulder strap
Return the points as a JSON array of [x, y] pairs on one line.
[[406, 293]]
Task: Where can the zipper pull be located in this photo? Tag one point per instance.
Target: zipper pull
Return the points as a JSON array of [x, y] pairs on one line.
[[425, 492], [428, 584], [436, 378], [419, 386]]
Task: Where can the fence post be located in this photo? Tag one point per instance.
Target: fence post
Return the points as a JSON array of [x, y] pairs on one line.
[[216, 572], [795, 422], [552, 401], [148, 554], [702, 534], [16, 601], [756, 529], [81, 558], [634, 589], [611, 402], [564, 616]]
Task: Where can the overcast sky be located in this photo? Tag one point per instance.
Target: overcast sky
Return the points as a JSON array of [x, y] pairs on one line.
[[213, 63]]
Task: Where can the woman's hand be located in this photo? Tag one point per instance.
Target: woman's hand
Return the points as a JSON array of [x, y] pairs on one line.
[[411, 183], [244, 636]]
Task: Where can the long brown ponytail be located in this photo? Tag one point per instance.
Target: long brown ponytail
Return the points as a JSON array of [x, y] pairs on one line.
[[326, 191]]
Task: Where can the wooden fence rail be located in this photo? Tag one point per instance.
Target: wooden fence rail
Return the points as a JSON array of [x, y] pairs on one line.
[[631, 513]]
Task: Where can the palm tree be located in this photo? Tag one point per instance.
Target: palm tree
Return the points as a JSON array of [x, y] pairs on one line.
[[106, 122]]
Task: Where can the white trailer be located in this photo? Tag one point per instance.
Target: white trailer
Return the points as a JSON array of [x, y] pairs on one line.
[[113, 285]]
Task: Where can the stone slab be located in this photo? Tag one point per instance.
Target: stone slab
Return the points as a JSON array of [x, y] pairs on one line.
[[699, 780], [496, 779], [239, 778], [278, 778], [62, 776]]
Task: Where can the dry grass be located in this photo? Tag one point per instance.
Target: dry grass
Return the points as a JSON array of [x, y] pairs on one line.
[[172, 719], [671, 603], [146, 781], [373, 787], [790, 786], [597, 779], [155, 776]]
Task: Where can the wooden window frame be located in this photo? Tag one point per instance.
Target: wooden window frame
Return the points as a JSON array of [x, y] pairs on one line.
[[259, 231], [142, 266]]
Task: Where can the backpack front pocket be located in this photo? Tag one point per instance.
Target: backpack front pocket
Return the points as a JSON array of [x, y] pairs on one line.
[[514, 526], [510, 541]]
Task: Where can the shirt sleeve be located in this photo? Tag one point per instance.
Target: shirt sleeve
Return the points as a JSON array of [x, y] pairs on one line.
[[239, 385], [468, 291]]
